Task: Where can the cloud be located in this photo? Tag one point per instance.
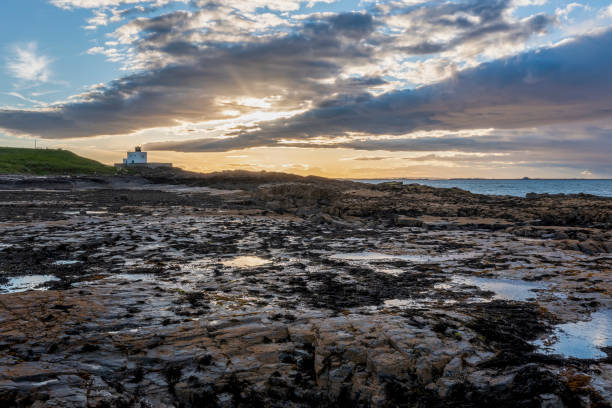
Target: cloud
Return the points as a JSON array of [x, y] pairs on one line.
[[24, 98], [575, 142], [534, 142], [67, 4], [370, 158], [522, 3], [251, 5], [568, 83], [27, 64], [564, 12], [462, 158], [462, 33], [473, 25], [291, 71], [102, 18], [197, 65], [444, 37]]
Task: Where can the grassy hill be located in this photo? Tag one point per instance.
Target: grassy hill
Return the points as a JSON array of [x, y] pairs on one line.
[[48, 161]]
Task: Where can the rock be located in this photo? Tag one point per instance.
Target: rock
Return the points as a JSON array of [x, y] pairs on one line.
[[573, 245], [404, 221], [454, 368], [270, 353], [424, 371], [478, 358], [356, 354], [301, 333], [589, 247], [502, 382], [551, 401], [445, 386], [327, 219], [387, 363], [337, 378], [253, 333]]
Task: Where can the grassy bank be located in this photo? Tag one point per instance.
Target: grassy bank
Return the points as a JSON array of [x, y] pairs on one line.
[[48, 161]]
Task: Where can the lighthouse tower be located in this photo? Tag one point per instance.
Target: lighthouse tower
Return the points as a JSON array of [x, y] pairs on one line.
[[136, 157]]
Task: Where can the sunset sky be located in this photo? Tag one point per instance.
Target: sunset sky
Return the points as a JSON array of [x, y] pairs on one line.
[[346, 88]]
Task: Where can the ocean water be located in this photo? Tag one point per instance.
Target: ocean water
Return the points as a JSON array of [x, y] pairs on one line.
[[515, 187]]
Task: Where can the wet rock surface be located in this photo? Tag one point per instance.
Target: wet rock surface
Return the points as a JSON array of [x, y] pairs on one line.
[[286, 291]]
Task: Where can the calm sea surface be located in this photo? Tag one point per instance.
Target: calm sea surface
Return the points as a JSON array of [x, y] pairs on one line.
[[515, 187]]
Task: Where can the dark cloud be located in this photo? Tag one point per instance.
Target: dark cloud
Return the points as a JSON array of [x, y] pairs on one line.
[[476, 23], [568, 83], [193, 71], [374, 158], [596, 146], [352, 25], [459, 158], [500, 32], [558, 158], [588, 143], [290, 67]]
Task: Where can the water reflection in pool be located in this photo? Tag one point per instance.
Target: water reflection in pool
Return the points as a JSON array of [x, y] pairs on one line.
[[416, 258], [582, 339], [66, 262], [23, 283], [245, 262], [504, 289]]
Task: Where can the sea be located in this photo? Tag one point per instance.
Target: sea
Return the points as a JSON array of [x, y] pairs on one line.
[[514, 187]]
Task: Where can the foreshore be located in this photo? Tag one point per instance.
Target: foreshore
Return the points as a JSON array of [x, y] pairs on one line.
[[239, 289]]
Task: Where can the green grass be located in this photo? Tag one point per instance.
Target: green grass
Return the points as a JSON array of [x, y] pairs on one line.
[[48, 161]]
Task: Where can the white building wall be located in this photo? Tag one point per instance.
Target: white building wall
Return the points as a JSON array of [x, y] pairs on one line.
[[136, 158]]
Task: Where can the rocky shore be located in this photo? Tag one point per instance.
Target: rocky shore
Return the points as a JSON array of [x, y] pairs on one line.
[[172, 289]]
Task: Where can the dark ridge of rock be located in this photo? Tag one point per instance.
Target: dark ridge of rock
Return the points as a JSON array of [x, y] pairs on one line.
[[234, 179]]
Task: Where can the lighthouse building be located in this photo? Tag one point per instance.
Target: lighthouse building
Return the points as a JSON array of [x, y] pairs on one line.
[[138, 158]]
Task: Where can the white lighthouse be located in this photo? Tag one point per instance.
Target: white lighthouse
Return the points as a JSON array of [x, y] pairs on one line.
[[138, 158]]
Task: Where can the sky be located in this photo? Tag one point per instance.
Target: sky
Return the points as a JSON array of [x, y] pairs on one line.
[[337, 88]]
